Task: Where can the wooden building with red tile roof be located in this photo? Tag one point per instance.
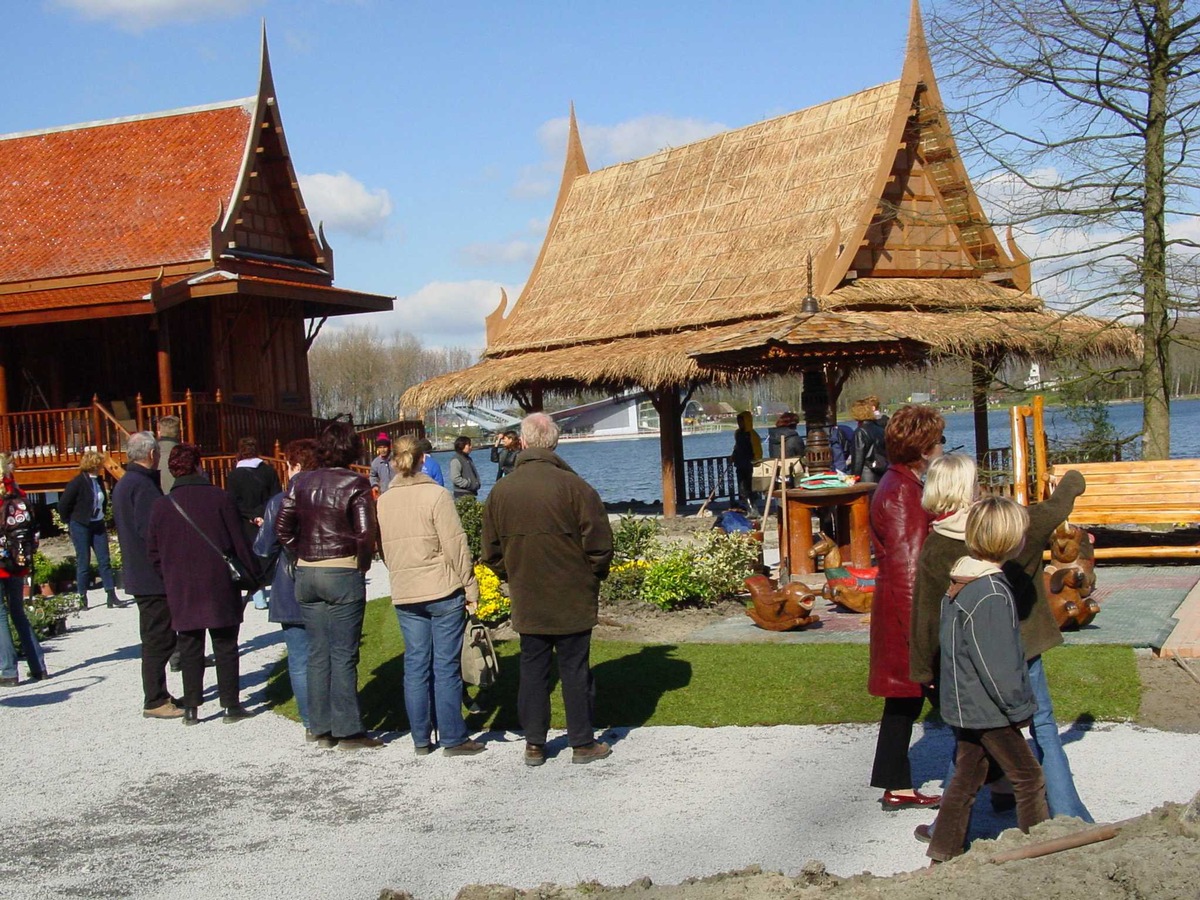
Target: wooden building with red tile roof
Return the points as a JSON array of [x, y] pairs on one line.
[[161, 252], [146, 257]]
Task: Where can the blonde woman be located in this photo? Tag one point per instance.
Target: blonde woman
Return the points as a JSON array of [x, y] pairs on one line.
[[950, 490], [433, 584], [12, 582], [82, 507]]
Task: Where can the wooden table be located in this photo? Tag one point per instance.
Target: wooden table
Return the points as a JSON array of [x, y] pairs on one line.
[[852, 506]]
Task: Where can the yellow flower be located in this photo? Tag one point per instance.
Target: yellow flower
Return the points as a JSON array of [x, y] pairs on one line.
[[494, 605]]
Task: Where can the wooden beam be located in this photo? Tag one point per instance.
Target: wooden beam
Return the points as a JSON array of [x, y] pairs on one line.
[[670, 444], [165, 388], [3, 376], [981, 380]]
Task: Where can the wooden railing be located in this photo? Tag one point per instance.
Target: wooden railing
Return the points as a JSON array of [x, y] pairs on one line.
[[57, 437], [216, 425], [709, 475]]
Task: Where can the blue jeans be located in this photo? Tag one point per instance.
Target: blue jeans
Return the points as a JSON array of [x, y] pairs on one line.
[[1047, 747], [261, 597], [11, 590], [332, 603], [1061, 796], [295, 638], [433, 638], [88, 539]]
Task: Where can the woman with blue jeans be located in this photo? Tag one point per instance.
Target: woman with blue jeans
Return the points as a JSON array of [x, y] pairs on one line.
[[82, 506], [301, 456], [13, 578], [433, 584], [950, 489]]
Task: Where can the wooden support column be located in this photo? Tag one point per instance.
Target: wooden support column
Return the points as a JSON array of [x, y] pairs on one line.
[[4, 375], [983, 369], [818, 457], [670, 443], [165, 388]]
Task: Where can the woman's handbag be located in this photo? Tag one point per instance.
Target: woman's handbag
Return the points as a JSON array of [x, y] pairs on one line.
[[480, 665], [238, 574]]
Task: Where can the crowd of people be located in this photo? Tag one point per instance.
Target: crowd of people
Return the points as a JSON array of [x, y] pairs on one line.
[[959, 620]]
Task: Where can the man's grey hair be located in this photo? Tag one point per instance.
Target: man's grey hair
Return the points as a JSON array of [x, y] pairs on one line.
[[169, 427], [141, 446], [539, 430]]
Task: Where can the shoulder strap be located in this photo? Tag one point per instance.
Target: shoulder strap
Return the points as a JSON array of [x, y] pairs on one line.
[[196, 527]]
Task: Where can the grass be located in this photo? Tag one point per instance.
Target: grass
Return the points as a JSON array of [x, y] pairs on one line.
[[710, 685]]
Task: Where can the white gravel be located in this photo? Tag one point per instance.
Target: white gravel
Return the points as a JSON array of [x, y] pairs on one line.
[[99, 802]]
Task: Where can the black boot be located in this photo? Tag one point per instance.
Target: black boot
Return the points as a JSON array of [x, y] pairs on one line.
[[191, 716], [113, 602]]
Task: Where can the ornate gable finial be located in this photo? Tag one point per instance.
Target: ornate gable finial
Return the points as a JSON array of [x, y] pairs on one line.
[[266, 81], [917, 65], [576, 163], [494, 323]]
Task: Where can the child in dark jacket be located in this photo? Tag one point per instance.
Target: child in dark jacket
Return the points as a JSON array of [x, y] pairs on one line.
[[986, 695]]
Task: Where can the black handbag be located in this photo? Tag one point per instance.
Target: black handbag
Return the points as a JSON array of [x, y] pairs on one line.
[[238, 573]]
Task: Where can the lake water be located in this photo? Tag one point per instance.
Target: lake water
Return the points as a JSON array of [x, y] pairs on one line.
[[629, 469]]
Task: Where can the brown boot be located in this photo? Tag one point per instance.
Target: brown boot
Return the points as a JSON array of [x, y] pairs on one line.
[[591, 752]]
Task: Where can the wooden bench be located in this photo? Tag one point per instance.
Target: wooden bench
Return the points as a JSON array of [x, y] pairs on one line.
[[1163, 492]]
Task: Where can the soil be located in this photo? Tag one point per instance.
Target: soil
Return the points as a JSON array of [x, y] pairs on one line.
[[1170, 696], [1156, 855]]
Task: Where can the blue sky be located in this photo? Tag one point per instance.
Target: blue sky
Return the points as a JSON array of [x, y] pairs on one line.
[[430, 136]]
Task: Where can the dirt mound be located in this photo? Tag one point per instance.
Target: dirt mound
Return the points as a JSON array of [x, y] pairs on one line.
[[1156, 855]]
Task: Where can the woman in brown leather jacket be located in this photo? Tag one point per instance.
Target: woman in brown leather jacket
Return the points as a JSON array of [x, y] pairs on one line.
[[327, 527], [898, 529]]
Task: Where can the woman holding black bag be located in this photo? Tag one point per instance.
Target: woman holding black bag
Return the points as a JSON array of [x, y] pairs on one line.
[[192, 532]]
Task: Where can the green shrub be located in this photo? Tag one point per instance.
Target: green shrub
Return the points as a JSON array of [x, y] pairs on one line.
[[42, 568], [724, 562], [470, 513], [672, 580], [635, 537], [624, 582]]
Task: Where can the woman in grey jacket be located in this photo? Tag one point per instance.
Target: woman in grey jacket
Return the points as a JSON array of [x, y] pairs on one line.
[[464, 477], [986, 696]]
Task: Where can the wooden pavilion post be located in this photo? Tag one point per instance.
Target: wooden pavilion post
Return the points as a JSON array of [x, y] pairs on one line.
[[165, 389], [983, 370], [670, 445], [3, 377], [818, 457]]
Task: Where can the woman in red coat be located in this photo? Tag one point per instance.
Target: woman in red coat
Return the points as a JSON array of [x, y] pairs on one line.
[[898, 529]]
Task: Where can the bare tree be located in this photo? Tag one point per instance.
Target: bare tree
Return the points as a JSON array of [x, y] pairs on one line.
[[360, 371], [1086, 110]]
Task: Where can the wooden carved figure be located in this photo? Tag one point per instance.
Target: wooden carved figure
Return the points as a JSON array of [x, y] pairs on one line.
[[1071, 577], [780, 609], [850, 587]]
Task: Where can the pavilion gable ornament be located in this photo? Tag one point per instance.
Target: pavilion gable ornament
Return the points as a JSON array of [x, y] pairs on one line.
[[266, 215]]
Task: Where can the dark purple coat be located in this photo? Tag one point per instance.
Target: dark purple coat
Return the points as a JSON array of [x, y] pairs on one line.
[[200, 592]]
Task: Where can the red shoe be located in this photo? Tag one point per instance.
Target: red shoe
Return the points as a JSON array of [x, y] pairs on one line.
[[903, 801]]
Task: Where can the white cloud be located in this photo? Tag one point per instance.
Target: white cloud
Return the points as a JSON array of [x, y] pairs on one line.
[[138, 15], [604, 145], [631, 139], [499, 253], [441, 313], [345, 204]]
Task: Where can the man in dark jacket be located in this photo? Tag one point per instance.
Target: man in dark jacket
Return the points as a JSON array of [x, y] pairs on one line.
[[132, 500], [546, 532]]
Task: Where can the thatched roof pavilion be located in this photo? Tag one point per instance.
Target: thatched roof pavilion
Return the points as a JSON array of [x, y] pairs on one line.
[[650, 267]]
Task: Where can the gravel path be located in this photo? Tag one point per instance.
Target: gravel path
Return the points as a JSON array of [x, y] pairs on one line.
[[102, 803]]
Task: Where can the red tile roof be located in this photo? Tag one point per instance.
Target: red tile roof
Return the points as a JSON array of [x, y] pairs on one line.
[[109, 196], [83, 298]]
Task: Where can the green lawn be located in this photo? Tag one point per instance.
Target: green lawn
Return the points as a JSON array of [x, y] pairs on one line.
[[718, 684]]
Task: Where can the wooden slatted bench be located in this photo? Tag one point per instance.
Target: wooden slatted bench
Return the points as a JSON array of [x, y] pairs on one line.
[[1162, 492]]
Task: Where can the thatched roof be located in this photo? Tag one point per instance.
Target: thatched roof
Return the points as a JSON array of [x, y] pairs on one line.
[[862, 201]]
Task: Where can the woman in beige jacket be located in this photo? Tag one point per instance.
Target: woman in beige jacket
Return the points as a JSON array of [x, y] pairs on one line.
[[433, 584]]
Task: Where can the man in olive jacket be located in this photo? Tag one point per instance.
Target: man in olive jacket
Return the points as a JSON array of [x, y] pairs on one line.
[[546, 532]]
